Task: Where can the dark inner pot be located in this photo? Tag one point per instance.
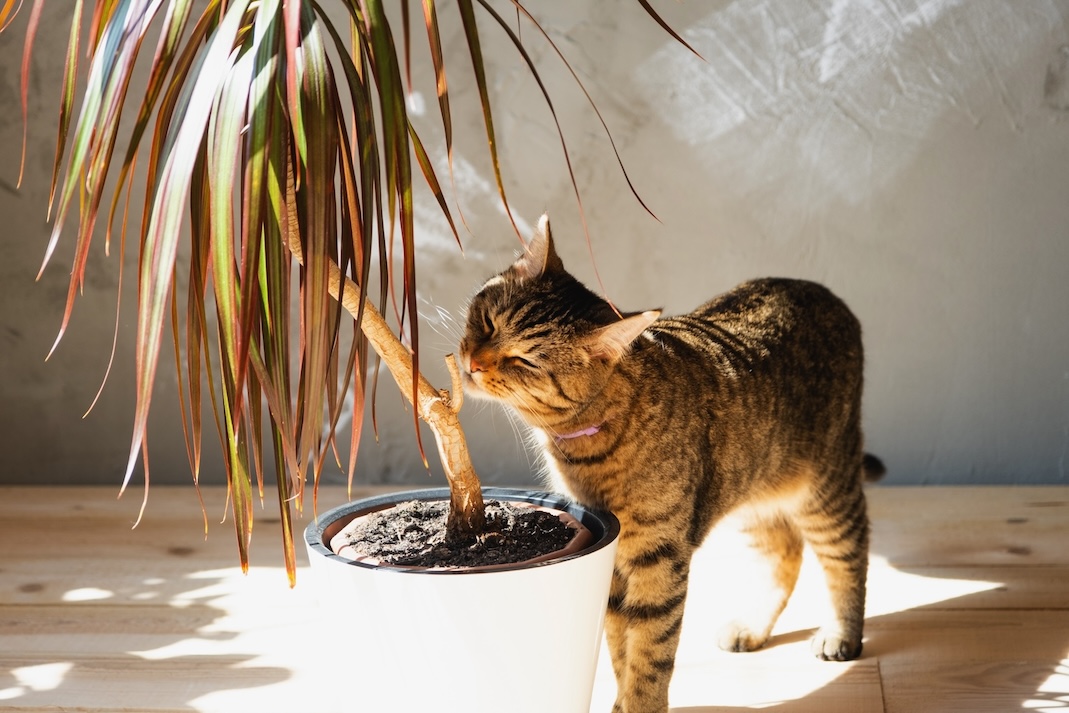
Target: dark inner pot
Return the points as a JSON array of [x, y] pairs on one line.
[[407, 531]]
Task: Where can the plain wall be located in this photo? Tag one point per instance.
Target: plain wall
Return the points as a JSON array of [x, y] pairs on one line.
[[913, 155]]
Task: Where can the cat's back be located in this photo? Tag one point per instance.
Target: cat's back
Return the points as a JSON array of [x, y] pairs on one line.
[[776, 306], [766, 316], [792, 333]]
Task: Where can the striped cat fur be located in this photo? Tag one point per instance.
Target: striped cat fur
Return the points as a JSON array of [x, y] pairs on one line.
[[750, 404]]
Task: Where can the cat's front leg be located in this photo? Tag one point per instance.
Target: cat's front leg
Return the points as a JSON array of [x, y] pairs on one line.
[[643, 622]]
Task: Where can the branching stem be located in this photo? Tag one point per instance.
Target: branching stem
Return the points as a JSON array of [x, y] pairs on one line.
[[437, 408]]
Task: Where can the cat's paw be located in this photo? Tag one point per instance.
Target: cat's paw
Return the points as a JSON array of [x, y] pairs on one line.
[[738, 637], [830, 645], [651, 707]]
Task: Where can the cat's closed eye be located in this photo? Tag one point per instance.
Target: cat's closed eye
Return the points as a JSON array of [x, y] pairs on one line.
[[520, 361]]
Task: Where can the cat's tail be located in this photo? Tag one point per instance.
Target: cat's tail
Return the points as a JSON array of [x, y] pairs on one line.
[[872, 468]]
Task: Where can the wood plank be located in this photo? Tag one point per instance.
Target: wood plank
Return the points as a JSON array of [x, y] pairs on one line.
[[218, 683], [1041, 587], [970, 525], [30, 502], [87, 543], [782, 677], [968, 611], [943, 661], [970, 686]]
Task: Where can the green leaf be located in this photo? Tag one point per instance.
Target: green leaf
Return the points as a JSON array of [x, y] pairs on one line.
[[471, 31], [174, 24], [318, 228], [6, 15], [171, 190], [96, 131], [398, 167], [251, 134]]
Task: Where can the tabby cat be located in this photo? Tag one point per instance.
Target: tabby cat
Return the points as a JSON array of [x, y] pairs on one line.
[[750, 404]]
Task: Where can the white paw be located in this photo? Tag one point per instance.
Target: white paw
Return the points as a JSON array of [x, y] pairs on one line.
[[736, 636], [831, 645]]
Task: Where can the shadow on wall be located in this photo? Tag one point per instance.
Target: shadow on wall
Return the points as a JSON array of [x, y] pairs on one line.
[[911, 154]]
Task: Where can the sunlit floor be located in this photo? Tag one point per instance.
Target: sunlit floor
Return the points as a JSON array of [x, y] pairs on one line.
[[968, 610]]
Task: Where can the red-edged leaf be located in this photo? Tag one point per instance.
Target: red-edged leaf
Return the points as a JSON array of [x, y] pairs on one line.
[[590, 101], [174, 23], [432, 182], [7, 12], [318, 227], [471, 31], [398, 168], [27, 53], [667, 28], [160, 243], [560, 132], [434, 42]]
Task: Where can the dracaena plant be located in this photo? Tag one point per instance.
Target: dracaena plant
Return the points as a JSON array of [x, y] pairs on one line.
[[271, 136]]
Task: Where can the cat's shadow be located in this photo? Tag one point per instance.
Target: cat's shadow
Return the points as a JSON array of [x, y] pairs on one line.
[[919, 659], [937, 638]]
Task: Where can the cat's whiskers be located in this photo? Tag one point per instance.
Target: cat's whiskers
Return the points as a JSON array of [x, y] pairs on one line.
[[443, 323], [531, 446]]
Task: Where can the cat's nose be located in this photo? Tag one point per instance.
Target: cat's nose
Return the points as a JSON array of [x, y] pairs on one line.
[[475, 365]]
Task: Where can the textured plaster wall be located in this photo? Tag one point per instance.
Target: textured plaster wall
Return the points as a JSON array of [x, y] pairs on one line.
[[912, 154]]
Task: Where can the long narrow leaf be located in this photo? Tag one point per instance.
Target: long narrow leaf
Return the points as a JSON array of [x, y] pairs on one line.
[[97, 124], [317, 225], [471, 31], [589, 99], [398, 170], [118, 310], [560, 132], [196, 327], [174, 24], [31, 33], [7, 12], [224, 145], [667, 28], [432, 182], [276, 292], [161, 239], [434, 42]]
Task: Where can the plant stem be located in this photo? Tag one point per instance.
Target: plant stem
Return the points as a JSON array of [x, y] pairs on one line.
[[436, 407]]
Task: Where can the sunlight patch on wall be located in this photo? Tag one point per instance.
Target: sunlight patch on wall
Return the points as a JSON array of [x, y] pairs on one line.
[[802, 105]]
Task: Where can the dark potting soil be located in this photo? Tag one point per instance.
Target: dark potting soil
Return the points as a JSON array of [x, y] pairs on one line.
[[412, 534]]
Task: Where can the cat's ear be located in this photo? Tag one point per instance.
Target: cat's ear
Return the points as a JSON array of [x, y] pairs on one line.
[[539, 256], [613, 341]]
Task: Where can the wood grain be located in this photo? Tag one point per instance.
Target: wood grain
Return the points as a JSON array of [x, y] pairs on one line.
[[968, 611]]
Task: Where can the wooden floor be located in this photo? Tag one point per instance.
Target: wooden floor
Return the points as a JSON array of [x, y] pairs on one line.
[[968, 611]]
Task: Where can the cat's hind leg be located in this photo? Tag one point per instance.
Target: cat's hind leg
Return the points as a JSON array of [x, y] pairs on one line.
[[836, 526], [777, 547]]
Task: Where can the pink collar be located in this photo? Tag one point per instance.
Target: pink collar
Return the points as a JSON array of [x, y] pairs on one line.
[[590, 431]]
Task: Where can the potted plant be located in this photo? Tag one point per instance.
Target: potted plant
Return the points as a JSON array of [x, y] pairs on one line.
[[283, 133]]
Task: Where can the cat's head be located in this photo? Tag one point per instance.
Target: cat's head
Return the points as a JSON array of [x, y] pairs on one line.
[[540, 341]]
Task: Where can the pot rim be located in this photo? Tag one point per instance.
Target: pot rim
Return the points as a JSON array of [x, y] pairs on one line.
[[603, 524]]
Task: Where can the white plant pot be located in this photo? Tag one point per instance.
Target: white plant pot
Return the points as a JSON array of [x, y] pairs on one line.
[[523, 639]]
